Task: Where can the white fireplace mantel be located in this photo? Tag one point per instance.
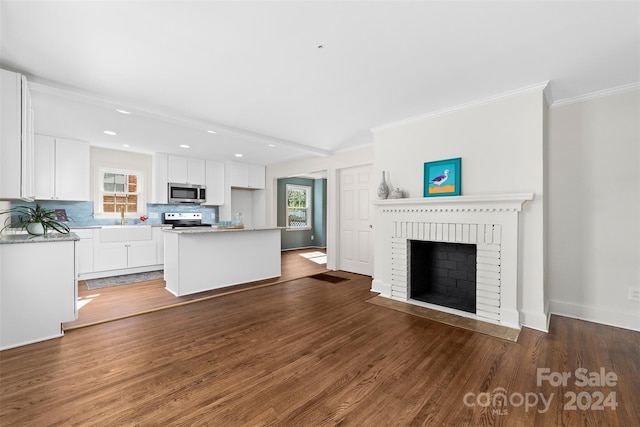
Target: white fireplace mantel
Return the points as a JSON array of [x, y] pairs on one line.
[[499, 202], [489, 221]]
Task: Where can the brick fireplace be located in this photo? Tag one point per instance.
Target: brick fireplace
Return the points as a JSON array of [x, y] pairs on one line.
[[489, 224], [443, 273]]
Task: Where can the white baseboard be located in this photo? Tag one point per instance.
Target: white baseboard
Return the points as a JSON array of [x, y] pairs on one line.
[[535, 320], [510, 318], [20, 344], [382, 288], [618, 318]]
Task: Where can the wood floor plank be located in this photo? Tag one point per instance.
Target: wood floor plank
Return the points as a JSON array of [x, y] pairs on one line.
[[308, 352], [116, 302]]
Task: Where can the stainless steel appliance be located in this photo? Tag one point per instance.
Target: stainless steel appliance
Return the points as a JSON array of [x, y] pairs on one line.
[[184, 219], [187, 193]]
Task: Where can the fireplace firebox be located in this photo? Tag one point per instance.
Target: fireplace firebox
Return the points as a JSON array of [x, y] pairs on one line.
[[443, 273]]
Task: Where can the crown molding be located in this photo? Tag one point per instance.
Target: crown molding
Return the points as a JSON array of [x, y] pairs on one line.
[[597, 94], [542, 86]]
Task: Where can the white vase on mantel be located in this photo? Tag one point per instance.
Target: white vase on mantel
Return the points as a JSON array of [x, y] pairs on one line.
[[35, 228], [383, 188]]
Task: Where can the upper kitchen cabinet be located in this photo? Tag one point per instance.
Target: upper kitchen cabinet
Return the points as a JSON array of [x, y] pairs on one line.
[[186, 170], [61, 169], [244, 175], [16, 138], [159, 179], [215, 183]]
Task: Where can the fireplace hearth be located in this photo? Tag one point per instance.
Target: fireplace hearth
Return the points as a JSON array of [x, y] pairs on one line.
[[443, 273]]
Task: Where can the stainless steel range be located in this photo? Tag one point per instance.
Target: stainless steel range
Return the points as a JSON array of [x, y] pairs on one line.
[[184, 219]]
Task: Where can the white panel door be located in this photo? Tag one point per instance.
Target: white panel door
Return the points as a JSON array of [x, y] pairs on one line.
[[140, 254], [356, 219]]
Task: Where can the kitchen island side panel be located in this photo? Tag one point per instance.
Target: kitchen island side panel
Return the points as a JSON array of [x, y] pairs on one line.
[[171, 262], [196, 262], [38, 291]]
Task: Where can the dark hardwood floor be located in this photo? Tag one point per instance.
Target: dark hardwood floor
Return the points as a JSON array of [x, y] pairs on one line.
[[107, 304], [314, 353]]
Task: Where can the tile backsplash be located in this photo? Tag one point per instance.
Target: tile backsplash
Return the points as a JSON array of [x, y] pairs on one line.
[[80, 214]]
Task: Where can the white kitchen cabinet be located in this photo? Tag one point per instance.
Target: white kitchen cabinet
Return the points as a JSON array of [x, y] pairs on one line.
[[168, 168], [111, 256], [122, 255], [244, 175], [38, 297], [215, 183], [158, 237], [16, 138], [84, 249], [122, 250], [186, 170], [140, 254], [62, 169], [159, 178], [256, 177]]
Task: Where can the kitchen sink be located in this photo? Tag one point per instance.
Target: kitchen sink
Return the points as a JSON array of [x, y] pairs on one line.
[[125, 233]]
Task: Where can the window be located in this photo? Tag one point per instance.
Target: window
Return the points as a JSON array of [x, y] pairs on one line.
[[298, 206], [119, 191]]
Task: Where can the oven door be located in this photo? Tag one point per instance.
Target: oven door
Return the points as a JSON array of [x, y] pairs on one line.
[[184, 193]]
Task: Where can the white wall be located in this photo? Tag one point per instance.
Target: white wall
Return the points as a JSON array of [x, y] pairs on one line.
[[594, 209], [105, 157], [330, 164], [501, 144]]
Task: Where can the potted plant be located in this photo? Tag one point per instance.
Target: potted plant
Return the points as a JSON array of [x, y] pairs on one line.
[[36, 220]]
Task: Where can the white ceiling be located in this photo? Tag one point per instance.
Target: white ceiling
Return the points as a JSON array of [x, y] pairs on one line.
[[254, 71]]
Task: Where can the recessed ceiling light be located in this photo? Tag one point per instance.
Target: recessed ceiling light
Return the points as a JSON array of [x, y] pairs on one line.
[[126, 145], [110, 132], [184, 146], [272, 145], [211, 131], [239, 155], [123, 111]]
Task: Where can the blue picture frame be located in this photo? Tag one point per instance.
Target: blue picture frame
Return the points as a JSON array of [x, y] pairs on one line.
[[443, 178]]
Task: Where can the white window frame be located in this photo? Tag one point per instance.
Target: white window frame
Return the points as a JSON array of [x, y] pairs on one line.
[[99, 193], [309, 192]]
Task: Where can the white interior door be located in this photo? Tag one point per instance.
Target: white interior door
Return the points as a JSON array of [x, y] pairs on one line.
[[356, 216]]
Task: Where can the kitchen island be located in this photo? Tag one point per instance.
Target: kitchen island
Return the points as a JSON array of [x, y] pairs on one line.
[[200, 259]]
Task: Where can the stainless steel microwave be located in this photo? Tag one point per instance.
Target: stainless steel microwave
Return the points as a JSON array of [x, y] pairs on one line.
[[187, 193]]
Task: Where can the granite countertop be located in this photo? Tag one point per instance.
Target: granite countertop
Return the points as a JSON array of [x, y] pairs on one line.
[[84, 227], [202, 230], [29, 238]]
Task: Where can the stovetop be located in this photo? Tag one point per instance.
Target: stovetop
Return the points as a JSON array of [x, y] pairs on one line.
[[184, 219]]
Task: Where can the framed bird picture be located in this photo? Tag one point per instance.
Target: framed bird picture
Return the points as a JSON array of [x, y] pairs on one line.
[[443, 178]]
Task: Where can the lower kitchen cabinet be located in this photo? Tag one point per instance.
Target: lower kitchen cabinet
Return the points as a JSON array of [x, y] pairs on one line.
[[140, 254], [117, 256], [38, 290], [115, 251], [84, 249]]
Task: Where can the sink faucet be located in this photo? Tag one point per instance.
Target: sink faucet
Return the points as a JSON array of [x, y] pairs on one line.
[[123, 221]]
